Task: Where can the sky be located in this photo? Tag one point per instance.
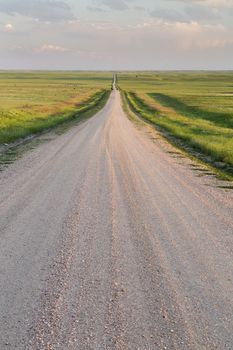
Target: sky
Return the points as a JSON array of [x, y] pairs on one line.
[[116, 34]]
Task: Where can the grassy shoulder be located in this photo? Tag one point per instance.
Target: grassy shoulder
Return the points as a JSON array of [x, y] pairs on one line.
[[13, 151], [32, 102], [23, 127], [202, 139]]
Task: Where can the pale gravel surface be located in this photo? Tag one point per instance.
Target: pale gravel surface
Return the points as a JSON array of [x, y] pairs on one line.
[[108, 241]]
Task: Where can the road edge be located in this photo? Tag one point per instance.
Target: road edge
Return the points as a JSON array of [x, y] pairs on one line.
[[173, 141]]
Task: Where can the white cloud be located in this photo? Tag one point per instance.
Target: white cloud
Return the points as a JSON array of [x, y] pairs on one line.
[[8, 28], [184, 36], [217, 3], [49, 48], [211, 3]]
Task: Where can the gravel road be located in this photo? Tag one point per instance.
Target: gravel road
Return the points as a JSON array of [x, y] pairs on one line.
[[110, 240]]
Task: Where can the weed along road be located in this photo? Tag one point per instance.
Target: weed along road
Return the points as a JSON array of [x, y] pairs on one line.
[[109, 240]]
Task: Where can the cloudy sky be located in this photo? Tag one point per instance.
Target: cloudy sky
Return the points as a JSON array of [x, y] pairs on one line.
[[116, 34]]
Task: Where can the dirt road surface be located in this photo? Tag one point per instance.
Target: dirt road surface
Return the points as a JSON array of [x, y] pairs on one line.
[[108, 241]]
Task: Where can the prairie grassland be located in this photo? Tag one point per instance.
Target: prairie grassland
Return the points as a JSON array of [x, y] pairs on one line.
[[33, 101], [194, 107]]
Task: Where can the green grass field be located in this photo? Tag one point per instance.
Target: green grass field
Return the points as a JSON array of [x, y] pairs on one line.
[[194, 107], [33, 101]]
